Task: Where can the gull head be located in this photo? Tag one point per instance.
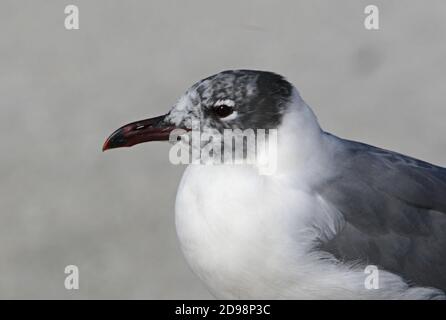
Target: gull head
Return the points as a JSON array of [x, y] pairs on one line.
[[233, 99]]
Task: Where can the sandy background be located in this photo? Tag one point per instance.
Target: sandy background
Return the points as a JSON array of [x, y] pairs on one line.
[[62, 201]]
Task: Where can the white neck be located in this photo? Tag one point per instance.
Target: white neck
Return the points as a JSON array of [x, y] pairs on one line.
[[301, 142]]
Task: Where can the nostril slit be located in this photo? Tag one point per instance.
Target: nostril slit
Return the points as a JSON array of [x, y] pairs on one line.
[[140, 127]]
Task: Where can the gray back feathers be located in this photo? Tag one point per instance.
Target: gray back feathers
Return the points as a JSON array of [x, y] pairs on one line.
[[394, 208]]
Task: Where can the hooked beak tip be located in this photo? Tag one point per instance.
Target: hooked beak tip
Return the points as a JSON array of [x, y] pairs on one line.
[[118, 139]]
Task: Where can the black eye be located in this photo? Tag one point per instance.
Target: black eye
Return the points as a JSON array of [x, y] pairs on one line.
[[223, 110]]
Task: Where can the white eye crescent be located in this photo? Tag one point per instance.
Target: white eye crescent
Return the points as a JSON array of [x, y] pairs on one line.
[[226, 102]]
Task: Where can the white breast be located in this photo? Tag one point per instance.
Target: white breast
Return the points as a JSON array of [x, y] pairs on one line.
[[247, 235]]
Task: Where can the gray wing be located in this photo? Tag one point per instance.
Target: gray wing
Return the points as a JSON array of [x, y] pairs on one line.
[[395, 213]]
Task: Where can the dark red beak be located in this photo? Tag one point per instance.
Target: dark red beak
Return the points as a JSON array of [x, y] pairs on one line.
[[153, 129]]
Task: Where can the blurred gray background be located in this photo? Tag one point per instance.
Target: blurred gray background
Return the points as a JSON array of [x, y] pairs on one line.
[[62, 201]]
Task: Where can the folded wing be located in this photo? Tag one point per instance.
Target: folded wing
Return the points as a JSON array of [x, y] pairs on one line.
[[394, 208]]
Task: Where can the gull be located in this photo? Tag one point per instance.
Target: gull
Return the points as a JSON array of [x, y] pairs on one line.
[[337, 219]]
